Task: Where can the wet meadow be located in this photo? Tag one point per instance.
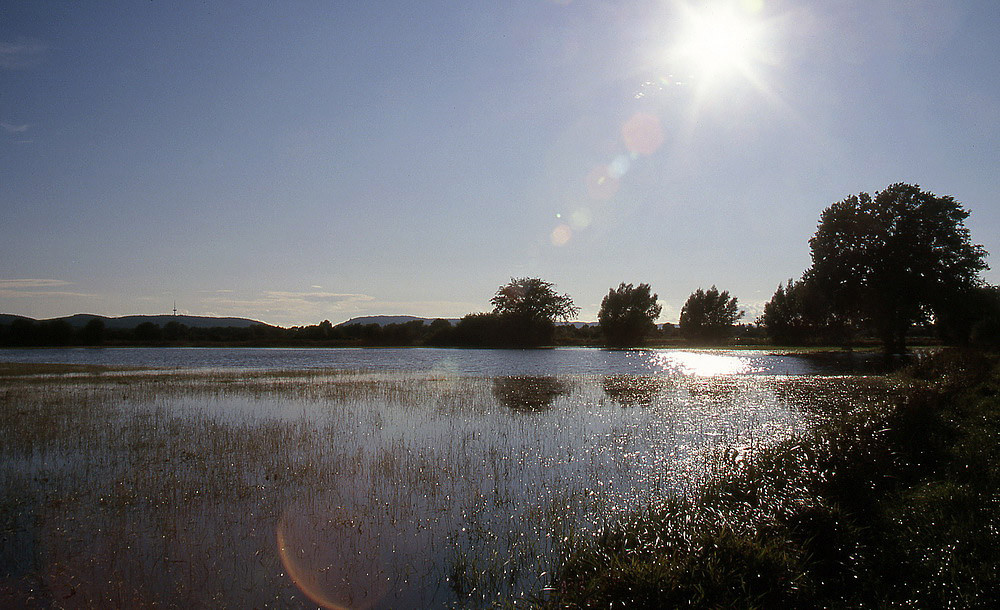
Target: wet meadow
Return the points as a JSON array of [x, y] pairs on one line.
[[356, 488]]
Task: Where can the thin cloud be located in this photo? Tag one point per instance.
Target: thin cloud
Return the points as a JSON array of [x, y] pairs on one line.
[[753, 309], [288, 307], [319, 297], [40, 294], [14, 128], [425, 309], [32, 283], [310, 307], [35, 288], [22, 53]]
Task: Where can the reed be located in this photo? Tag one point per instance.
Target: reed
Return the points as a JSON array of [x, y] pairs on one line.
[[884, 502], [247, 488]]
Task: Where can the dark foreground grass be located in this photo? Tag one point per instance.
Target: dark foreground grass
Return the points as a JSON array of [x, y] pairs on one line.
[[892, 505]]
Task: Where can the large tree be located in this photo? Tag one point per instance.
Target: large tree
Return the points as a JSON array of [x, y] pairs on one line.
[[894, 259], [528, 309], [709, 315], [628, 314]]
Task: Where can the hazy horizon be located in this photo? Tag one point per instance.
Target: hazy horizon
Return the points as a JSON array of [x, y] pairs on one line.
[[292, 163]]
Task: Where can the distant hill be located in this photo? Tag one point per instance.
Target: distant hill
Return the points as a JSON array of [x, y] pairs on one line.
[[7, 318], [580, 324], [80, 320], [386, 320]]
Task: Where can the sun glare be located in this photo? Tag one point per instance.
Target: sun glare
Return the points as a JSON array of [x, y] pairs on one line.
[[721, 40]]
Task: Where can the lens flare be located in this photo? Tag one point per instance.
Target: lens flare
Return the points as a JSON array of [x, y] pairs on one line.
[[330, 572], [619, 166], [602, 184], [643, 134], [561, 235], [580, 219]]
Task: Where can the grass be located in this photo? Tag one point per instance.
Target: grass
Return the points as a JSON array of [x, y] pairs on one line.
[[894, 503], [124, 488]]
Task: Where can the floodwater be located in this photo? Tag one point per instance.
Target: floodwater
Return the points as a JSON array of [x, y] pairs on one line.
[[559, 361], [434, 484]]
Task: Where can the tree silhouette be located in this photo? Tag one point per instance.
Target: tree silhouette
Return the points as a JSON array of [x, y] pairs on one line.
[[971, 318], [709, 315], [894, 259], [628, 314], [93, 332], [56, 332], [799, 313], [528, 309], [147, 332]]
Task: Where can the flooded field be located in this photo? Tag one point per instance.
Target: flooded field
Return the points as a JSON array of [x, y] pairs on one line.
[[341, 488]]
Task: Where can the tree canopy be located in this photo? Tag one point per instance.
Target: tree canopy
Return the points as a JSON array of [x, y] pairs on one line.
[[534, 298], [528, 309], [799, 313], [628, 314], [785, 316], [709, 315], [894, 259]]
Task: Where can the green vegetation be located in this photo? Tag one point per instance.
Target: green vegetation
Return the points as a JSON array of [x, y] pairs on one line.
[[882, 264], [794, 316], [178, 478], [709, 316], [893, 504], [525, 312], [628, 315], [138, 488]]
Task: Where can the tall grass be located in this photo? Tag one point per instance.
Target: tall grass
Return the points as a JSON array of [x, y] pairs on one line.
[[890, 503], [237, 488]]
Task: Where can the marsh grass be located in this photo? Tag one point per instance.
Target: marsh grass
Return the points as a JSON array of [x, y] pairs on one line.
[[881, 503], [204, 488]]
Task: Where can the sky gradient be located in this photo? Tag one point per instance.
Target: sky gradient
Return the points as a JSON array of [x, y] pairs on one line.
[[299, 161]]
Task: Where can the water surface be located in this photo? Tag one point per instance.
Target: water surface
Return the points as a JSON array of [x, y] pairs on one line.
[[371, 478], [559, 361]]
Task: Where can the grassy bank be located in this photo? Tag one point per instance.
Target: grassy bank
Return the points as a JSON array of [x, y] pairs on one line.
[[895, 504]]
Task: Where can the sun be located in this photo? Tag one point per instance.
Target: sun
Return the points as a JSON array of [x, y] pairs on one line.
[[720, 41]]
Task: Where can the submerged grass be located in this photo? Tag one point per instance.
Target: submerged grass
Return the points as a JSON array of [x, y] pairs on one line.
[[292, 488], [896, 503]]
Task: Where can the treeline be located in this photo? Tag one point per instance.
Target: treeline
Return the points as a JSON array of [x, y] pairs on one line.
[[60, 333], [474, 330], [882, 268], [437, 333]]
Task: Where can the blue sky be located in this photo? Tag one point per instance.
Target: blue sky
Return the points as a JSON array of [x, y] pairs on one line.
[[299, 161]]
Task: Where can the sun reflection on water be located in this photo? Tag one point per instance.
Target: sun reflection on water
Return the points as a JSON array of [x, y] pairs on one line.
[[701, 364]]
